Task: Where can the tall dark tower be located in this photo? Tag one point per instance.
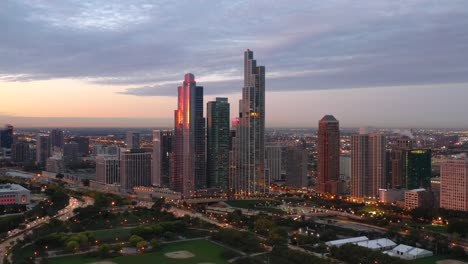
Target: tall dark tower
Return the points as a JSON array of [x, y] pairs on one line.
[[218, 140], [189, 171], [6, 137], [329, 155], [251, 169]]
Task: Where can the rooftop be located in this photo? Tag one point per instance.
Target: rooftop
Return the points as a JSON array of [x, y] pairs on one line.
[[11, 187], [377, 243], [340, 242]]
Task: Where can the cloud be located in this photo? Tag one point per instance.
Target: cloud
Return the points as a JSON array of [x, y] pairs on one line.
[[305, 45]]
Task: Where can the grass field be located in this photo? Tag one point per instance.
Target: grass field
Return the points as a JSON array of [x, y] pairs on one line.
[[204, 251], [111, 234]]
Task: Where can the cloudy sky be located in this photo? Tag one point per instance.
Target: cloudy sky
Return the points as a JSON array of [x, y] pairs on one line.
[[118, 63]]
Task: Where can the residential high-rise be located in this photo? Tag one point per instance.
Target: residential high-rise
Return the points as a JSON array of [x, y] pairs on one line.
[[418, 168], [133, 140], [6, 137], [42, 149], [296, 166], [251, 129], [108, 169], [234, 179], [56, 139], [454, 184], [368, 165], [360, 168], [328, 180], [135, 168], [162, 152], [273, 160], [218, 140], [189, 171]]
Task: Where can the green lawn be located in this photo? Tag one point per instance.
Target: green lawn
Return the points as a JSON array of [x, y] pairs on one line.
[[204, 251], [111, 234]]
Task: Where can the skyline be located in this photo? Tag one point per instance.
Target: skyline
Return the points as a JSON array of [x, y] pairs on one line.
[[91, 64]]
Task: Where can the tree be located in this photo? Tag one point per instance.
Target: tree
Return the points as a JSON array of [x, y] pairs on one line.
[[73, 246], [263, 226], [103, 251], [142, 245], [458, 252], [155, 243], [134, 239]]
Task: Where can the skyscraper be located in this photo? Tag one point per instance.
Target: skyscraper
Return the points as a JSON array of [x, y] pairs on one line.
[[252, 129], [135, 168], [162, 152], [454, 184], [71, 153], [83, 145], [273, 160], [398, 162], [218, 138], [328, 180], [6, 137], [296, 166], [133, 140], [42, 148], [368, 165], [418, 168], [189, 170], [56, 139]]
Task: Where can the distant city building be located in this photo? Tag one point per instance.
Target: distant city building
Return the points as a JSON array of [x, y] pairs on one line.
[[108, 169], [83, 145], [71, 153], [162, 153], [56, 139], [417, 198], [296, 166], [435, 189], [398, 161], [218, 140], [55, 164], [106, 150], [251, 130], [189, 170], [454, 184], [391, 195], [42, 148], [6, 137], [368, 165], [14, 194], [20, 152], [273, 161], [133, 140], [328, 180], [135, 168]]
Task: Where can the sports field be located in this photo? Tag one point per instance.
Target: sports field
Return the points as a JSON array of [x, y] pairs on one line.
[[188, 252]]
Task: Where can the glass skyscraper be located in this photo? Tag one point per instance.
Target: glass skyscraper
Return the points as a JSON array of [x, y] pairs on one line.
[[218, 138]]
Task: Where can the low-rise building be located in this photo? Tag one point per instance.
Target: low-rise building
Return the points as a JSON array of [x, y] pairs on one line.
[[352, 240], [378, 244], [391, 195], [417, 198], [408, 252], [14, 194]]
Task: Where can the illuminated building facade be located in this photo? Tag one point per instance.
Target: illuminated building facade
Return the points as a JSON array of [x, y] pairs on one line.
[[218, 138], [251, 129], [454, 184], [328, 180], [108, 169], [189, 171]]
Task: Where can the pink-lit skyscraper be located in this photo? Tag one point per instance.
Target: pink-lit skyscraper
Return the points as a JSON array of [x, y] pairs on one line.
[[189, 171], [454, 184]]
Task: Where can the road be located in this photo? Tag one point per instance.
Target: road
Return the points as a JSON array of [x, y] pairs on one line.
[[63, 214]]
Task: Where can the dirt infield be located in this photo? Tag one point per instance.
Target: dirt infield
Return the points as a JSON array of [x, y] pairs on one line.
[[179, 255]]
